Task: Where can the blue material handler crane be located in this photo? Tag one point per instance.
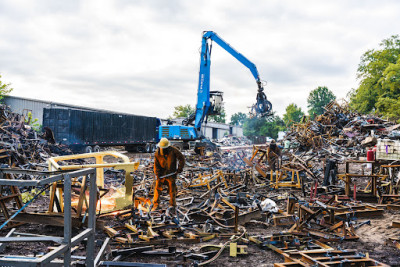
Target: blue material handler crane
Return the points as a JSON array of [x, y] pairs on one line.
[[210, 102]]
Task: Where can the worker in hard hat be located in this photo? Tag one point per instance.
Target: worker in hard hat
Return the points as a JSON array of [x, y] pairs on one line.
[[168, 162], [273, 155]]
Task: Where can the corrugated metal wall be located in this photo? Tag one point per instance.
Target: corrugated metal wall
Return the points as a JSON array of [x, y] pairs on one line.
[[237, 131], [19, 105], [207, 130]]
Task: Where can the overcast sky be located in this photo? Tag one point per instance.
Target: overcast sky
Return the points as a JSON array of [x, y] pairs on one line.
[[142, 56]]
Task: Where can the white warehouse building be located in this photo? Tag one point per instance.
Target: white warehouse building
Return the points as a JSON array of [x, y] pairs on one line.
[[214, 130]]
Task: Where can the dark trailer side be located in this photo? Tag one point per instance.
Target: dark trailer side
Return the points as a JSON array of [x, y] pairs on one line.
[[87, 131]]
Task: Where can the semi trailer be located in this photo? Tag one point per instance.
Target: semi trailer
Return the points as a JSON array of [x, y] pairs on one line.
[[87, 131]]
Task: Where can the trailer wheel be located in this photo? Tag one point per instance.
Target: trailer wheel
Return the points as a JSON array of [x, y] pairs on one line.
[[148, 148], [96, 148], [88, 149]]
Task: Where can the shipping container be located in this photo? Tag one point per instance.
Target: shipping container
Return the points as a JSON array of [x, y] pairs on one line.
[[88, 130]]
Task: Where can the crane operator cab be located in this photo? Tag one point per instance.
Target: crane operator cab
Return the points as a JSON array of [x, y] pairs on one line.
[[216, 103]]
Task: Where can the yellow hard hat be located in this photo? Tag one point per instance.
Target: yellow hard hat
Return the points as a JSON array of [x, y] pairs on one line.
[[164, 143]]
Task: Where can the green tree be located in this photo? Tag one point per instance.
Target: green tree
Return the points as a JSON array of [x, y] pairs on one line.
[[238, 118], [390, 80], [378, 73], [5, 89], [183, 111], [318, 99], [293, 114], [34, 123], [263, 126], [389, 107]]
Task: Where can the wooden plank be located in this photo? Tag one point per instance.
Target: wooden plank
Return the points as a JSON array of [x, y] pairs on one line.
[[307, 209], [260, 171], [121, 240], [228, 203], [5, 198], [248, 162], [52, 196], [396, 224], [56, 219], [339, 224], [110, 231], [132, 228], [82, 195]]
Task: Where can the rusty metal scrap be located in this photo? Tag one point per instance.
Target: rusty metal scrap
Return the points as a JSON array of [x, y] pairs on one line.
[[21, 146]]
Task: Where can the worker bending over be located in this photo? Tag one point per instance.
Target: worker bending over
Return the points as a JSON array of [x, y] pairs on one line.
[[168, 162], [273, 154]]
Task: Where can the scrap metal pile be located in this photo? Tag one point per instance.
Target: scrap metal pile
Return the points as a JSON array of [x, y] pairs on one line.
[[340, 132], [234, 209], [23, 147]]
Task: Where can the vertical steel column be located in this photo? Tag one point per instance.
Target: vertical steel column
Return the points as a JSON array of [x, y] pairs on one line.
[[236, 217], [91, 220], [67, 219], [128, 185]]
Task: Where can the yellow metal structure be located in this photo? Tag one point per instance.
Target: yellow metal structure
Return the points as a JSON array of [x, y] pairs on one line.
[[55, 165], [279, 178], [235, 249], [205, 180], [372, 186], [99, 165]]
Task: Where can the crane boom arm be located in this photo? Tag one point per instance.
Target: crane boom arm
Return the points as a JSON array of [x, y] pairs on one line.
[[263, 106], [242, 59]]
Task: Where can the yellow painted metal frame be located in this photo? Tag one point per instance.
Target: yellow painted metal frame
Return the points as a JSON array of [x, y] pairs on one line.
[[371, 186], [205, 180], [277, 179], [99, 165]]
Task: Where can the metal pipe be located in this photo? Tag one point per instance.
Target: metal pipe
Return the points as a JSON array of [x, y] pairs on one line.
[[91, 220], [67, 220]]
